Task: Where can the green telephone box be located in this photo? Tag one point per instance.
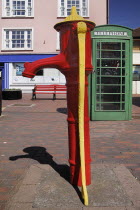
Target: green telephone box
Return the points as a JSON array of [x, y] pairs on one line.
[[110, 84]]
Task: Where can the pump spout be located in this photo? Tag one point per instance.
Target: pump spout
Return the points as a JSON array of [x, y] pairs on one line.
[[57, 61]]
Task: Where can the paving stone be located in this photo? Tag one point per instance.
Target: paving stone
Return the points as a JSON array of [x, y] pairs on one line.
[[26, 194], [106, 208], [44, 126], [52, 191], [130, 184], [32, 176], [21, 206]]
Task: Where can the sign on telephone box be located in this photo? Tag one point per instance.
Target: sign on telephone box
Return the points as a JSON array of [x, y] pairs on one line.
[[111, 80]]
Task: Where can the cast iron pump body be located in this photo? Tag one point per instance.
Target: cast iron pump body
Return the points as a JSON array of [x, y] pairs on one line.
[[68, 64]]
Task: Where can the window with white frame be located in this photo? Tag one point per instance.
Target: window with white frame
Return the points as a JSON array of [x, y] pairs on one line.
[[17, 8], [64, 7], [17, 39]]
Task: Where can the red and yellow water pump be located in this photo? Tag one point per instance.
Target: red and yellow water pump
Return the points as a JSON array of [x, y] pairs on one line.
[[74, 61]]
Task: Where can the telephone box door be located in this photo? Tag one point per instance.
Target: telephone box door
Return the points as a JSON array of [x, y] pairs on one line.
[[111, 80]]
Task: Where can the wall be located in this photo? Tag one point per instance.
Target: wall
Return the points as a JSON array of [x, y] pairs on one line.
[[45, 17]]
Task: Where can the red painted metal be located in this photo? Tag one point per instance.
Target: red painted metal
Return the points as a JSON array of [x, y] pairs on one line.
[[68, 63]]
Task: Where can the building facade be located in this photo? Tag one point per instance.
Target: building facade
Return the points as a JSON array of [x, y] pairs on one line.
[[136, 61], [27, 34]]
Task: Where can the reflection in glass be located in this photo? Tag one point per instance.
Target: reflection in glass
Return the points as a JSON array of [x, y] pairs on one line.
[[123, 54], [110, 75], [123, 89], [98, 80], [98, 54], [123, 80], [109, 89], [110, 80], [123, 63], [109, 63], [123, 46], [111, 45], [109, 71], [123, 106], [108, 97], [111, 54], [123, 97], [108, 106], [123, 71], [98, 45], [98, 71]]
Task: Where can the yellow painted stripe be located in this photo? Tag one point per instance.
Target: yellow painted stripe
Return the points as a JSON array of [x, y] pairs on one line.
[[82, 29]]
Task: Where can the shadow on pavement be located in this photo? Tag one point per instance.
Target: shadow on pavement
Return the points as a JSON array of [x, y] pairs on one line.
[[136, 101], [43, 157]]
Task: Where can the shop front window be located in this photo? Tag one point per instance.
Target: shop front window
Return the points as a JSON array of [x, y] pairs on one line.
[[136, 73], [19, 68]]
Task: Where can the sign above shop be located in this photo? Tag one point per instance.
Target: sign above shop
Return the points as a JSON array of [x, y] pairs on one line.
[[110, 33]]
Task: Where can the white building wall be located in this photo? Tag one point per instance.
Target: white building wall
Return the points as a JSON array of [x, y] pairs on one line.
[[50, 76], [136, 58], [136, 84]]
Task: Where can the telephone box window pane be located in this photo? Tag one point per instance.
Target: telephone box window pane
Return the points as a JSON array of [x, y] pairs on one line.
[[123, 80], [110, 80], [110, 63], [109, 71], [123, 106], [98, 89], [123, 46], [123, 54], [123, 63], [123, 97], [98, 62], [110, 54], [98, 54], [98, 71], [108, 98], [108, 106], [98, 80], [98, 45], [108, 89], [111, 46], [123, 71], [123, 89]]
